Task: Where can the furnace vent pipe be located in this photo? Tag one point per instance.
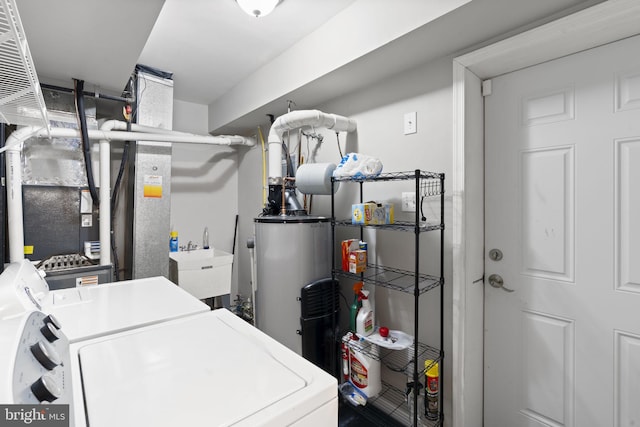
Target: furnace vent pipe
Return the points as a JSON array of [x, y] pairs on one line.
[[295, 120], [215, 140], [133, 136], [13, 147]]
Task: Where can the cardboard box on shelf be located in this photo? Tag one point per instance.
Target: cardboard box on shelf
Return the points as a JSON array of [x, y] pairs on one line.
[[357, 261], [372, 213]]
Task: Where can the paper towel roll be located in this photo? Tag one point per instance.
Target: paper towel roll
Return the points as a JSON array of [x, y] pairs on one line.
[[315, 178]]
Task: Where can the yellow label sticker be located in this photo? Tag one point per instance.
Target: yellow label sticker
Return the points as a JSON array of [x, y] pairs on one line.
[[152, 191], [28, 250], [152, 186]]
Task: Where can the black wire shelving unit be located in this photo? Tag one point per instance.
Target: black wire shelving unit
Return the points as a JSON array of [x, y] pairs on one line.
[[392, 401]]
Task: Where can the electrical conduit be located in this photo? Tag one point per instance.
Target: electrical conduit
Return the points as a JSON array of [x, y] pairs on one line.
[[86, 145], [13, 147]]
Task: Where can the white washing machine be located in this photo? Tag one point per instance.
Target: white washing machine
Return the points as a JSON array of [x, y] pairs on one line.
[[145, 352]]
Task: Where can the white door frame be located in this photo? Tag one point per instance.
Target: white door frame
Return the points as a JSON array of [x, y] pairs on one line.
[[603, 23]]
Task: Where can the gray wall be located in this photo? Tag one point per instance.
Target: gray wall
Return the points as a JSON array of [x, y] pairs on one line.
[[204, 184]]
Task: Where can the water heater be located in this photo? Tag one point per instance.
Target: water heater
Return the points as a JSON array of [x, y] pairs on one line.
[[291, 253]]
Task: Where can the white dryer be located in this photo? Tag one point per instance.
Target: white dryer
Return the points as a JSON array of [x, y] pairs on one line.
[[151, 366], [93, 311], [90, 311]]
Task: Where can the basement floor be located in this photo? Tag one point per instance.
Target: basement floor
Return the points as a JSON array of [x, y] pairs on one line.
[[349, 416]]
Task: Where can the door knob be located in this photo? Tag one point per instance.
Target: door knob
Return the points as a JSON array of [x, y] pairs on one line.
[[496, 281]]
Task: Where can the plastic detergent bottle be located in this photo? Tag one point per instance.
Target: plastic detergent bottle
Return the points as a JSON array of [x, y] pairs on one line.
[[355, 307], [173, 241], [364, 372], [365, 319]]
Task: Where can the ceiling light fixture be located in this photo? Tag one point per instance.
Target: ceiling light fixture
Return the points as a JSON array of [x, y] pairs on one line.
[[258, 8]]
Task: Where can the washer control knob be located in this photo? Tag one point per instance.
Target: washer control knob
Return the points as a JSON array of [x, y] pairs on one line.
[[46, 355], [46, 389], [50, 332], [51, 319]]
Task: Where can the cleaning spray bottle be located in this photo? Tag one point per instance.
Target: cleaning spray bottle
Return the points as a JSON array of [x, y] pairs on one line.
[[365, 319], [355, 307]]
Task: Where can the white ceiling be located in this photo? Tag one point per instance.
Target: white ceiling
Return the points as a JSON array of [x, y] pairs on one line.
[[91, 40], [211, 46]]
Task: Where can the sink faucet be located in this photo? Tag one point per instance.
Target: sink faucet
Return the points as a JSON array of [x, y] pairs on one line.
[[191, 246]]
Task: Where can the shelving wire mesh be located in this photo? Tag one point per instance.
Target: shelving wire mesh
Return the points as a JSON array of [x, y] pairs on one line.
[[408, 226], [398, 360], [393, 278], [392, 401], [21, 100], [396, 176]]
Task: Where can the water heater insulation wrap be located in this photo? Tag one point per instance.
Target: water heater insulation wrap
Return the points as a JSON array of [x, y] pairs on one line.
[[291, 252]]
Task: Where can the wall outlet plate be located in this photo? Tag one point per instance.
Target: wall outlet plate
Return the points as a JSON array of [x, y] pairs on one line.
[[408, 201]]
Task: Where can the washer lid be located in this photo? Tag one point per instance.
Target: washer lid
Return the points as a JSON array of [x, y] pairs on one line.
[[92, 311], [201, 370]]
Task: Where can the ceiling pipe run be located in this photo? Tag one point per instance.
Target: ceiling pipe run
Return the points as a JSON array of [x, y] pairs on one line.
[[295, 120], [13, 147]]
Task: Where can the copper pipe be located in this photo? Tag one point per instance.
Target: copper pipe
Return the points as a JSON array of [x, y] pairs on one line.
[[283, 207]]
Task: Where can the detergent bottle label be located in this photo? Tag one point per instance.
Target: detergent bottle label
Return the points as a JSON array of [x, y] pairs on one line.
[[359, 373], [368, 325]]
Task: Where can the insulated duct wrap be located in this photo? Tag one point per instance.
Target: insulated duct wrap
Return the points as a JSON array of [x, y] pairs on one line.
[[315, 178]]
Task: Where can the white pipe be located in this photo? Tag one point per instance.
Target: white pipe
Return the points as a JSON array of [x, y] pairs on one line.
[[14, 205], [170, 136], [120, 125], [105, 203], [140, 136], [295, 120], [13, 148], [14, 192]]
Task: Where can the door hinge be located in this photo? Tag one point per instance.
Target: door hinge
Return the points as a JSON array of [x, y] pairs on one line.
[[486, 87]]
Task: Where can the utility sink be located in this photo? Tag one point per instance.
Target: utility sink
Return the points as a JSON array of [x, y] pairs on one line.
[[204, 273]]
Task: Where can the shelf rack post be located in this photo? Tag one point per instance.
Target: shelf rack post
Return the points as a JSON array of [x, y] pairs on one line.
[[416, 301], [440, 376], [334, 281]]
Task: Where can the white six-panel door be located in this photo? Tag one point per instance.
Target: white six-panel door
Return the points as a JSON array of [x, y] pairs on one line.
[[562, 182]]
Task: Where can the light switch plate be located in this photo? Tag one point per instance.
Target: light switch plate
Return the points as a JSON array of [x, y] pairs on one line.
[[410, 125]]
